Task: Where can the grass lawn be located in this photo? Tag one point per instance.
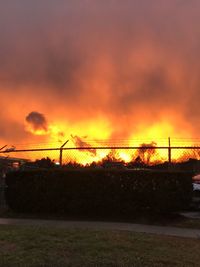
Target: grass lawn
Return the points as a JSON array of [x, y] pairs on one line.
[[44, 246]]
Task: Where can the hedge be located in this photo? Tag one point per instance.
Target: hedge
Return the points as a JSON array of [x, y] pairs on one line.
[[98, 192]]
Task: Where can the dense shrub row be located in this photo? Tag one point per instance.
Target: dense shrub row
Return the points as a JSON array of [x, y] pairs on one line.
[[98, 192]]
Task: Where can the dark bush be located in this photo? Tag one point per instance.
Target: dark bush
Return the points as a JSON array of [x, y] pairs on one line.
[[98, 192]]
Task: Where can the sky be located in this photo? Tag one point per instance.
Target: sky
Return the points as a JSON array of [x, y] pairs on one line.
[[98, 69]]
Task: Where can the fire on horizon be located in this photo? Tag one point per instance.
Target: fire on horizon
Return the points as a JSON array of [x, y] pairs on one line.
[[99, 70]]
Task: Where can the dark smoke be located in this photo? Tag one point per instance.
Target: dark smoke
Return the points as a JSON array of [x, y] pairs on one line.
[[80, 143], [37, 121]]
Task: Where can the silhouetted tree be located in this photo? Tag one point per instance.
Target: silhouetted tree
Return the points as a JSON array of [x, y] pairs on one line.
[[44, 163], [145, 153]]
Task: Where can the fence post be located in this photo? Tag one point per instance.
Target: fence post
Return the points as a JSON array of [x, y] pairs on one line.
[[61, 152], [169, 152], [60, 158]]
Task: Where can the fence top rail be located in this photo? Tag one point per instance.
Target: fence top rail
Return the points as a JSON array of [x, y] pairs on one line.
[[98, 148]]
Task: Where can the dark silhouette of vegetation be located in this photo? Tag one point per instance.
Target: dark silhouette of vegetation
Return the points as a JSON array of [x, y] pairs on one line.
[[98, 192], [45, 163], [73, 165], [146, 152], [112, 159], [39, 163]]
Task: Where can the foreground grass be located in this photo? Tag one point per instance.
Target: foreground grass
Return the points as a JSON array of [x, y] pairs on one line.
[[42, 246]]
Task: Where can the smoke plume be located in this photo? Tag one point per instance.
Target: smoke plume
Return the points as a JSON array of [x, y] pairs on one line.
[[80, 143], [37, 121]]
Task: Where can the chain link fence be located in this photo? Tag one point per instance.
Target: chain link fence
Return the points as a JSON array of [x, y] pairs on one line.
[[148, 155]]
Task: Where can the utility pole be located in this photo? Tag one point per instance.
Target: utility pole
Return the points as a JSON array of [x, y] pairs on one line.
[[61, 152], [169, 151]]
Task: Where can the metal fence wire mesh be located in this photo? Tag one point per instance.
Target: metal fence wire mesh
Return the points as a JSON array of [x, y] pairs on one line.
[[93, 152]]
